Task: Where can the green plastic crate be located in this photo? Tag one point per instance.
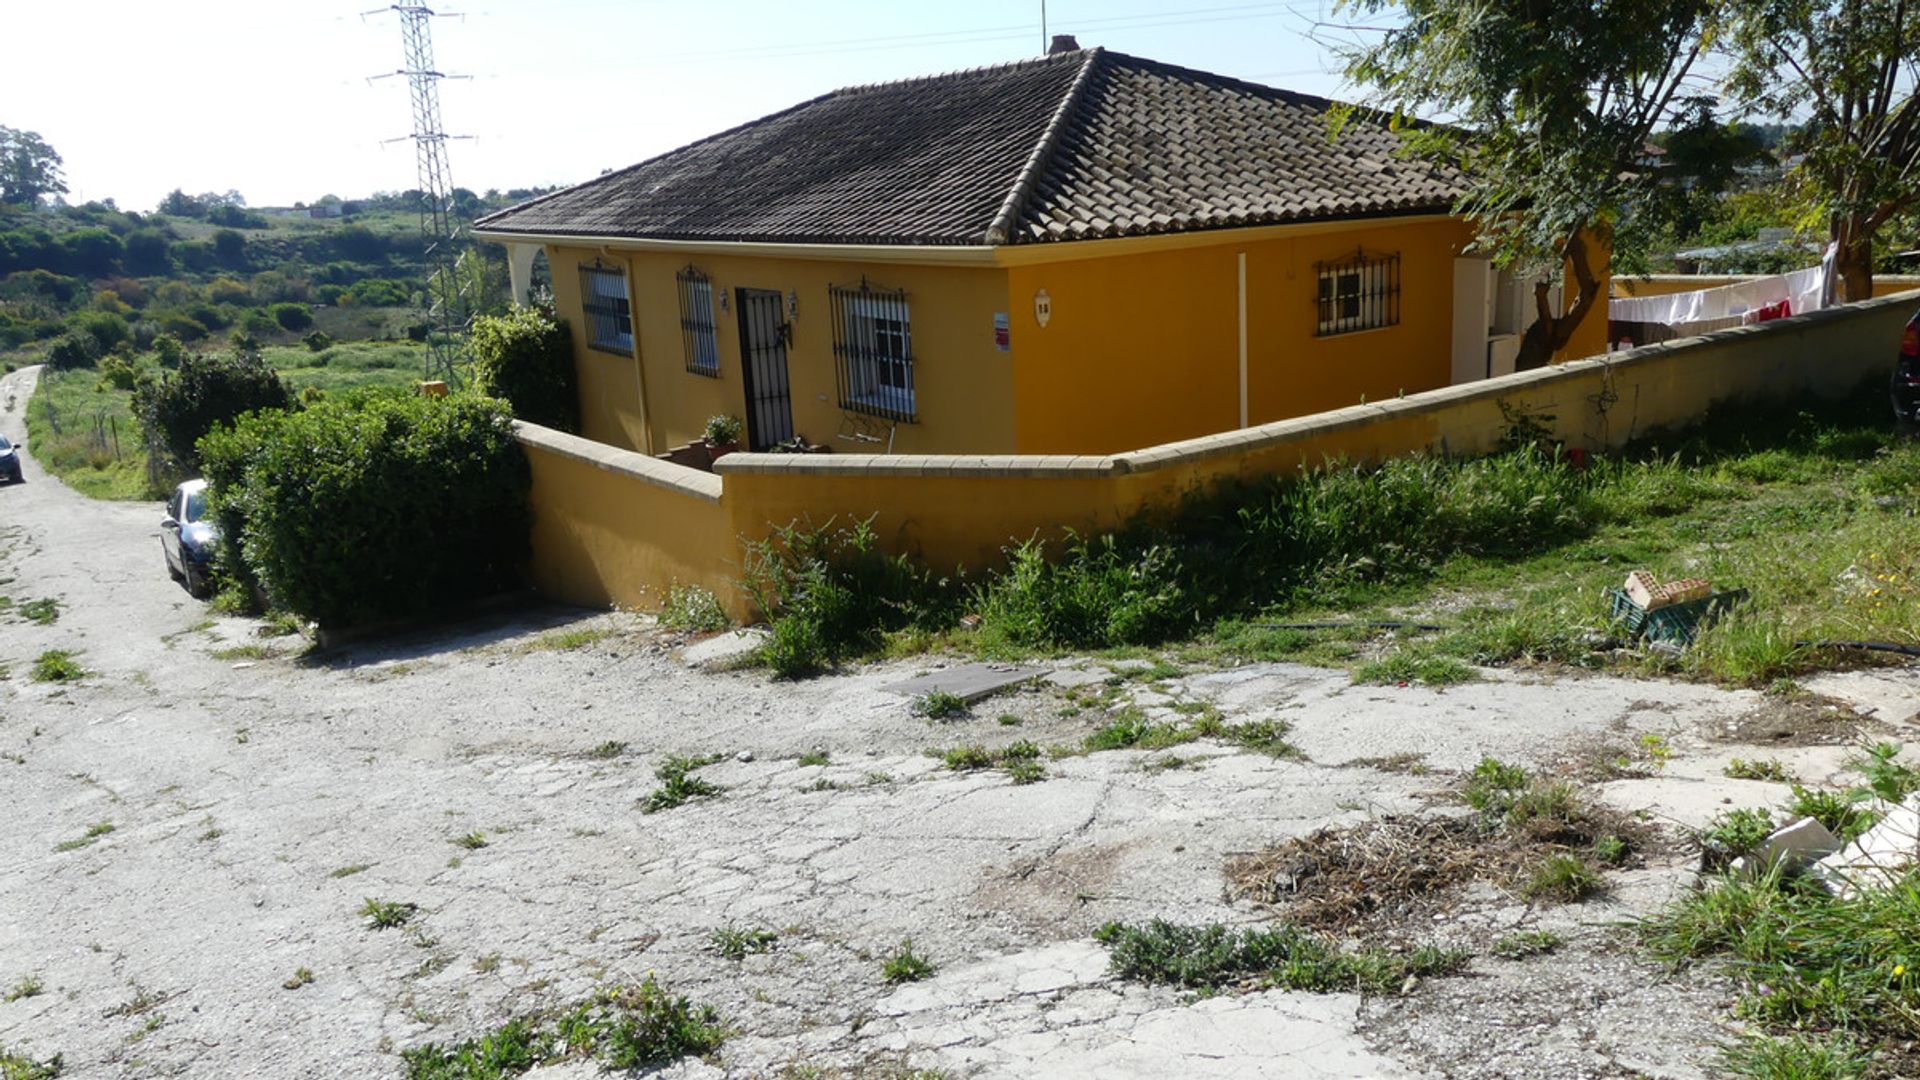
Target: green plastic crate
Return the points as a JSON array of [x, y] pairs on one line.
[[1674, 623]]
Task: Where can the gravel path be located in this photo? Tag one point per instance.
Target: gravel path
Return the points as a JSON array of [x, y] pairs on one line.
[[258, 796]]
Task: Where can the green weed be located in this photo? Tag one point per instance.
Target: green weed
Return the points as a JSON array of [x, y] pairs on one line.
[[348, 871], [693, 609], [387, 914], [1216, 956], [472, 841], [27, 986], [17, 1065], [608, 750], [43, 611], [678, 784], [57, 665], [1525, 943], [1797, 1056], [939, 705], [1766, 769], [1404, 666], [624, 1028], [735, 943], [1563, 878], [94, 833], [816, 757], [300, 978], [903, 965]]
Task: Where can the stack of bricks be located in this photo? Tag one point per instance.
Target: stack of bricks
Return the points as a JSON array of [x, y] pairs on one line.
[[1648, 592]]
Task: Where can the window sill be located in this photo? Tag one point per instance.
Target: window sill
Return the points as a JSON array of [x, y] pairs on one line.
[[611, 350], [1321, 335], [887, 407], [707, 372]]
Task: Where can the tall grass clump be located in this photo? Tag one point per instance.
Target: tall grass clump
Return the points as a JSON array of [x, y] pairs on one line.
[[832, 593]]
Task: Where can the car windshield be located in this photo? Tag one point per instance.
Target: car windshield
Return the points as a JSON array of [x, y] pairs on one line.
[[4, 444], [196, 506]]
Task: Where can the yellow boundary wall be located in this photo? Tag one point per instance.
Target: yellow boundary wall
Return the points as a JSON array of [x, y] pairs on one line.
[[615, 527]]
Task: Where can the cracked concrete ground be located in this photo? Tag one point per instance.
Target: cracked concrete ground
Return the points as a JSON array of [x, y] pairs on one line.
[[258, 797]]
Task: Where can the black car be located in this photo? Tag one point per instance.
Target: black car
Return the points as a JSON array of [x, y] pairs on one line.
[[9, 462], [1906, 376], [188, 538]]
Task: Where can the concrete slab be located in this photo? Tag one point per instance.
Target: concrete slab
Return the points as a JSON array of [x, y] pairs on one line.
[[723, 648], [1888, 694], [969, 682]]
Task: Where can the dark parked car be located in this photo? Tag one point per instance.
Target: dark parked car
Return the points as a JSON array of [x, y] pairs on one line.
[[188, 539], [1906, 376], [9, 462]]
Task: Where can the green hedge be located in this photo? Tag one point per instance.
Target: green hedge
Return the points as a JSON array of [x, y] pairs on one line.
[[202, 392], [526, 356], [371, 507]]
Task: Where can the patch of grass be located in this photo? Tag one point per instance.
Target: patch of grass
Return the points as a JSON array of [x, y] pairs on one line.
[[1494, 786], [1021, 760], [1825, 982], [608, 750], [388, 914], [568, 640], [1844, 813], [93, 834], [42, 611], [1564, 878], [1214, 956], [1525, 943], [243, 652], [1762, 769], [472, 841], [678, 784], [903, 965], [1009, 720], [625, 1029], [1404, 666], [735, 943], [1888, 778], [816, 757], [300, 978], [348, 871], [58, 665], [18, 1065], [939, 705], [281, 624], [693, 609], [1026, 771], [27, 986]]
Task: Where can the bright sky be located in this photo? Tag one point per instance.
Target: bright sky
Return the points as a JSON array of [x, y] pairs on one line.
[[272, 98]]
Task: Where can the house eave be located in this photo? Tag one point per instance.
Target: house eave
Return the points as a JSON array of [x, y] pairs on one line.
[[925, 254]]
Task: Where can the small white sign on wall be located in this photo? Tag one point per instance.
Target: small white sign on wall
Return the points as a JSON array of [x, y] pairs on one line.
[[1002, 332], [1042, 307]]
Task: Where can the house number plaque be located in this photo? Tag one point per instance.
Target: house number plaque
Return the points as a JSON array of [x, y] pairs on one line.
[[1042, 307]]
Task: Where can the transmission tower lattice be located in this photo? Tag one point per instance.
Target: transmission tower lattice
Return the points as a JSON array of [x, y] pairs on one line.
[[438, 225]]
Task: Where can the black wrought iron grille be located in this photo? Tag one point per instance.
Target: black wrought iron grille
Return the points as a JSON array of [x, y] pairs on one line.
[[873, 351], [603, 294], [696, 322], [1358, 293]]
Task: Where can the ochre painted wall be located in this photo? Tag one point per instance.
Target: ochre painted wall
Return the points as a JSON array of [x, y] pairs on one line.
[[1143, 349], [963, 385]]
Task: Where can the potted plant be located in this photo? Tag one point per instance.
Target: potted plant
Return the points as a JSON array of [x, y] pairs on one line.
[[722, 436]]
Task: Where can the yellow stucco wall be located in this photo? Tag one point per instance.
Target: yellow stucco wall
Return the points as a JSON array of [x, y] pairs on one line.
[[1141, 347], [1144, 349], [963, 385], [625, 530]]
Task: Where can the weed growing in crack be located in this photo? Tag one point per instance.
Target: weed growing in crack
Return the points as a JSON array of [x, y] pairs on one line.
[[735, 943], [816, 757], [42, 611], [1525, 943], [968, 758], [473, 841], [1563, 877], [94, 833], [623, 1028], [939, 705], [1732, 834], [1020, 760], [387, 914], [1216, 956], [28, 986], [1009, 720], [608, 750], [488, 964], [348, 871], [1410, 666], [58, 665], [824, 784], [1769, 769], [17, 1065], [301, 977], [903, 965], [694, 609], [678, 784]]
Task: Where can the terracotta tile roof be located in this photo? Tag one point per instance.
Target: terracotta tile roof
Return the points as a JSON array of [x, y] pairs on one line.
[[1073, 146]]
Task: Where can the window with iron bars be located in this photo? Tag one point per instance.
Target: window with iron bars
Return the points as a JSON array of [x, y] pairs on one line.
[[873, 351], [603, 293], [1361, 292], [696, 322]]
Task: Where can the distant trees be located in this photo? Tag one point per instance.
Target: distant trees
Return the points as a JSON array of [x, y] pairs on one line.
[[29, 168]]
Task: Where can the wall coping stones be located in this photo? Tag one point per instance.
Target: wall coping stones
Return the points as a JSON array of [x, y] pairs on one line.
[[639, 466]]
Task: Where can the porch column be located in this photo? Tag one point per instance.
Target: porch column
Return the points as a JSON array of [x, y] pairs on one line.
[[520, 269]]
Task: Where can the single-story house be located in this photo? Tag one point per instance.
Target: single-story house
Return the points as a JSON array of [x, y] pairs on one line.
[[1080, 253]]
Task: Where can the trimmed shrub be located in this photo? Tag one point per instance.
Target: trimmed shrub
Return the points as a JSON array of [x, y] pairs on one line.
[[526, 357], [203, 391], [371, 507], [73, 350]]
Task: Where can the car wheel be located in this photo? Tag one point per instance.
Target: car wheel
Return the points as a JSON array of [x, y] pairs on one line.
[[198, 586]]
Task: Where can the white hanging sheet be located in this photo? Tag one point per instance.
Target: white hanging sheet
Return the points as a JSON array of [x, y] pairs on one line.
[[1802, 291]]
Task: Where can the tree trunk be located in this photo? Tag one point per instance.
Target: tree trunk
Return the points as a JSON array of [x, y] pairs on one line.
[[1854, 259], [1549, 332]]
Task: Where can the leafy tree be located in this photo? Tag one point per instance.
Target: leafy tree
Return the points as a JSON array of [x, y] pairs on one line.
[[1850, 67], [294, 317], [148, 252], [90, 252], [1555, 104], [29, 168], [180, 204], [230, 248], [204, 391]]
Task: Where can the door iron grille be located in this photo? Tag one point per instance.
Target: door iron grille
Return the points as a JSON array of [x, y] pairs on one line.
[[763, 365]]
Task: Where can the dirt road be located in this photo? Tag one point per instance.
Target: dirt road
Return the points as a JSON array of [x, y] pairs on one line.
[[492, 775]]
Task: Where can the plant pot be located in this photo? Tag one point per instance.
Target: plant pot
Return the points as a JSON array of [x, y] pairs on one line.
[[716, 451]]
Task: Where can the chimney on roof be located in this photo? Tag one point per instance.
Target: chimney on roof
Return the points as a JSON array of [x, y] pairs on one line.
[[1063, 43]]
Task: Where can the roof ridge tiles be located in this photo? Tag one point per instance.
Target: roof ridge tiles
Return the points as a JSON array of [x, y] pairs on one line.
[[999, 229]]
